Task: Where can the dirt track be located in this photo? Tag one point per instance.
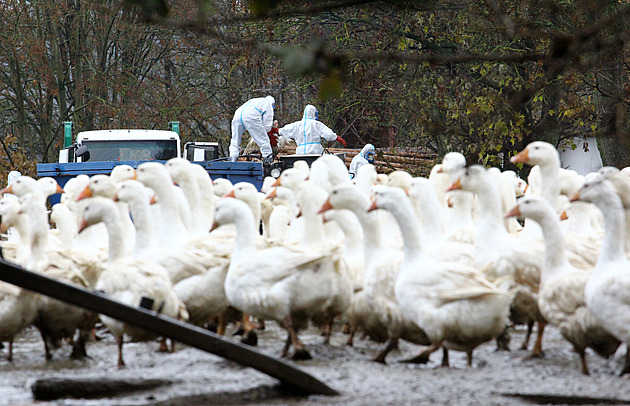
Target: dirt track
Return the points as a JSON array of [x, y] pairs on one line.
[[199, 378]]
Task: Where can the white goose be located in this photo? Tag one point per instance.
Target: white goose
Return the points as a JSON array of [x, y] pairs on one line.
[[503, 258], [18, 307], [56, 320], [607, 290], [453, 303], [561, 294], [128, 279], [385, 320], [277, 283]]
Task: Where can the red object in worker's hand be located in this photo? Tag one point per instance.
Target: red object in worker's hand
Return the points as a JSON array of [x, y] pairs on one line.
[[341, 141], [273, 138]]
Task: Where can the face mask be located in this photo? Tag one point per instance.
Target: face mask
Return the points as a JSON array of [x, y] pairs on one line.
[[370, 157]]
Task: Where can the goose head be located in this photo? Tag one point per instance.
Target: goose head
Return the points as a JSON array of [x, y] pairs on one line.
[[99, 185], [9, 211], [133, 190], [538, 153], [291, 178], [599, 191], [534, 207], [96, 210], [154, 175], [222, 186], [229, 211], [452, 163], [21, 186], [180, 170], [608, 170], [49, 186], [122, 173], [400, 179], [388, 198], [473, 179], [346, 197]]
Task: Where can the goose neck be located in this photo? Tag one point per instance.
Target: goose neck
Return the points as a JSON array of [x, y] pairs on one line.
[[407, 222], [490, 225], [614, 232], [554, 245]]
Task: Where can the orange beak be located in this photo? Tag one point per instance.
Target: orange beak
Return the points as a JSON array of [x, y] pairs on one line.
[[83, 226], [407, 192], [575, 197], [135, 175], [214, 226], [116, 199], [153, 200], [272, 194], [277, 183], [514, 212], [60, 190], [525, 190], [3, 227], [229, 194], [440, 170], [449, 203], [457, 185], [327, 206], [373, 206], [522, 156], [85, 194], [564, 216], [8, 189], [299, 214]]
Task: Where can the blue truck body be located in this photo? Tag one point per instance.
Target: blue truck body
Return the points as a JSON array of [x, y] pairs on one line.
[[251, 172]]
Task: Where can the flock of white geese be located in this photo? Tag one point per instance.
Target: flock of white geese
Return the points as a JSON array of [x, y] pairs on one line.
[[441, 261]]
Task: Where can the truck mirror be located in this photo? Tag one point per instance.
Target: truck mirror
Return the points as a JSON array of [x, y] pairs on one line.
[[83, 153], [63, 156]]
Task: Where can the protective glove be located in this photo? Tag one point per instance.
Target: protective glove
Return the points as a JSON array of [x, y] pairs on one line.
[[273, 138], [341, 141]]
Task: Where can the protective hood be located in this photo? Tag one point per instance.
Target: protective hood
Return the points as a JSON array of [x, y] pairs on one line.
[[310, 111], [271, 101], [368, 148]]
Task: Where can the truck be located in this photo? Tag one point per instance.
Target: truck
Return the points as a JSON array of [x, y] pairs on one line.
[[99, 151]]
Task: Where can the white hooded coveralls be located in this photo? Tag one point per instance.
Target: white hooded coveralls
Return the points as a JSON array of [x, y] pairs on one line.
[[255, 116], [360, 159], [308, 132]]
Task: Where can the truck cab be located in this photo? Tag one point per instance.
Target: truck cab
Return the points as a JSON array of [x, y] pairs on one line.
[[122, 145]]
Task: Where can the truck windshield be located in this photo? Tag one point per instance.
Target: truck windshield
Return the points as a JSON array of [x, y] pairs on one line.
[[144, 150]]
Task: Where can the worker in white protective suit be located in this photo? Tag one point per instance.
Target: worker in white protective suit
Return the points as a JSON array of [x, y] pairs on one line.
[[366, 156], [308, 133], [255, 116]]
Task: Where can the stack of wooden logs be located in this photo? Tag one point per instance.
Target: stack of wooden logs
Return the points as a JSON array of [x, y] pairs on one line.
[[416, 161]]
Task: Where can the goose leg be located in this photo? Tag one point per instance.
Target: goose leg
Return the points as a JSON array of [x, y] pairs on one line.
[[445, 362], [423, 357], [582, 355], [221, 324], [119, 342], [300, 351], [538, 351], [350, 341], [287, 345], [163, 346], [249, 335], [469, 358], [530, 328], [393, 343], [503, 340], [10, 353], [328, 330], [46, 349], [626, 364]]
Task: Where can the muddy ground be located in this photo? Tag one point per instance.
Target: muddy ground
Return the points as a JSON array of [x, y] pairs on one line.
[[198, 378]]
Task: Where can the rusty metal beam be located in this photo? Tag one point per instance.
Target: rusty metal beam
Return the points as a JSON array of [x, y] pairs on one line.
[[165, 326]]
